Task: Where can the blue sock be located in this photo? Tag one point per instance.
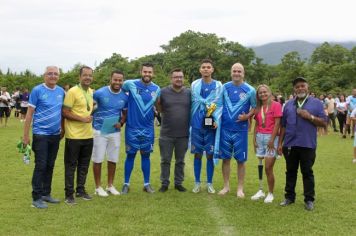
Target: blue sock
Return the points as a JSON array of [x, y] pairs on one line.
[[197, 169], [129, 164], [210, 170], [146, 167]]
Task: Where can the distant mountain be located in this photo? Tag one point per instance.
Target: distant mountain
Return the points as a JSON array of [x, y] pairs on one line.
[[272, 53]]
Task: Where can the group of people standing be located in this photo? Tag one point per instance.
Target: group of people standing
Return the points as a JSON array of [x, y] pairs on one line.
[[17, 101], [210, 117]]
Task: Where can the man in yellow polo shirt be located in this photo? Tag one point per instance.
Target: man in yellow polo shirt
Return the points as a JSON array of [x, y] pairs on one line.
[[77, 109]]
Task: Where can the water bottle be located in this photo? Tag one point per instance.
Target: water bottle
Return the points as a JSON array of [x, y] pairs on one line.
[[26, 159]]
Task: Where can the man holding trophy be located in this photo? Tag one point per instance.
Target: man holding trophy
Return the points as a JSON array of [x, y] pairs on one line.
[[239, 102], [205, 122]]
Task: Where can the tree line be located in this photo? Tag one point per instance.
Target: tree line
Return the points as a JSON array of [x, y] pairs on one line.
[[330, 69]]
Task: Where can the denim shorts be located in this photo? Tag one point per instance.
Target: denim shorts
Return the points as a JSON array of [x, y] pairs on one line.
[[262, 141]]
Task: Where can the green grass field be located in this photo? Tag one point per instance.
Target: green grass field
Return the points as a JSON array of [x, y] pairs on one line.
[[175, 213]]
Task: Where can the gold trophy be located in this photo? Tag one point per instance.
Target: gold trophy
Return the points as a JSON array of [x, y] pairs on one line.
[[208, 120]]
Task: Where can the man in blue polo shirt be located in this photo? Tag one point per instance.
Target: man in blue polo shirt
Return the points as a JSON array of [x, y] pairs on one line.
[[139, 132], [301, 116], [45, 106]]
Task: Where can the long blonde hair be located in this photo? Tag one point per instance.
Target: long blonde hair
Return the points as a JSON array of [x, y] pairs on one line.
[[259, 101]]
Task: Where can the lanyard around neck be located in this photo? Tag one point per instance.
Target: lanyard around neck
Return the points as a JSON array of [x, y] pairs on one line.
[[86, 96], [300, 105]]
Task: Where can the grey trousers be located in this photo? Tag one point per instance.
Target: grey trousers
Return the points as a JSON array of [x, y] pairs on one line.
[[166, 146]]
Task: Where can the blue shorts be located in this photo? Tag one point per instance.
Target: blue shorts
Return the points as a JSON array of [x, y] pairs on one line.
[[139, 139], [262, 141], [233, 142], [202, 140]]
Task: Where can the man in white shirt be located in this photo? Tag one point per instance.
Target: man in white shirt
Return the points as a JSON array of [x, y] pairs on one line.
[[4, 105]]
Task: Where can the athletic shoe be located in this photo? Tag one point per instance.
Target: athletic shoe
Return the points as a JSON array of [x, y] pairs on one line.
[[210, 188], [286, 202], [39, 204], [259, 195], [196, 188], [180, 188], [100, 192], [70, 201], [112, 190], [309, 206], [49, 199], [125, 189], [148, 189], [269, 198], [163, 188], [84, 196], [354, 161]]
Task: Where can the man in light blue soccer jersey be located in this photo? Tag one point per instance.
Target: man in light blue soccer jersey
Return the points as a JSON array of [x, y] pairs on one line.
[[206, 94], [45, 108], [108, 118], [239, 102], [139, 132]]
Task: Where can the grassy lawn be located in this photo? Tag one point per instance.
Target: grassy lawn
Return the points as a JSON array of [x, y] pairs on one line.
[[175, 213]]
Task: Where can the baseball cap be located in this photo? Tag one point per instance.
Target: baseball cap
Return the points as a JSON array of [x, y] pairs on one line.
[[299, 79]]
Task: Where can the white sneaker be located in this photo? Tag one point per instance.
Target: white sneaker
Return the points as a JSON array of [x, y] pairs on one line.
[[210, 188], [354, 160], [112, 190], [196, 188], [260, 194], [269, 198], [100, 192]]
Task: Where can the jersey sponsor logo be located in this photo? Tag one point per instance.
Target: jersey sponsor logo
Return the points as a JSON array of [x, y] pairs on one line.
[[242, 96], [44, 96]]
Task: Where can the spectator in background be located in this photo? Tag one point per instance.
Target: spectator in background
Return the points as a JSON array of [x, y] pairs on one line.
[[341, 108], [24, 97], [351, 105], [4, 105], [330, 106]]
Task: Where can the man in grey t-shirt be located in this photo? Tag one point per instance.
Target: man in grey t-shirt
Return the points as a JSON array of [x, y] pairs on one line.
[[174, 105]]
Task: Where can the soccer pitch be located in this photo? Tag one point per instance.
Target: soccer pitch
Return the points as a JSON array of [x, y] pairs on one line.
[[175, 213]]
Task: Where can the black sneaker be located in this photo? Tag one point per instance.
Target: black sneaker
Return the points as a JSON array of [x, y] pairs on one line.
[[309, 206], [125, 189], [84, 196], [180, 188], [163, 188], [70, 201], [286, 202], [148, 189]]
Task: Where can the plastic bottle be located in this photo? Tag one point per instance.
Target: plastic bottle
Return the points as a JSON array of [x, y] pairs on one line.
[[26, 159]]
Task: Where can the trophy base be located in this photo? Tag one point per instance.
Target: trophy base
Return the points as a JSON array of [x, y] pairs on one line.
[[208, 122]]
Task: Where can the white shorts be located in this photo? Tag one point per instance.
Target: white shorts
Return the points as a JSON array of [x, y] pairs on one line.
[[108, 144]]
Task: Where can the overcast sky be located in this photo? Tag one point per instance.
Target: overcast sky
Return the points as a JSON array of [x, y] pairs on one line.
[[37, 33]]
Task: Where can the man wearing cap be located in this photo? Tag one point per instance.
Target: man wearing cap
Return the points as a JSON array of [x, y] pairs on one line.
[[301, 116]]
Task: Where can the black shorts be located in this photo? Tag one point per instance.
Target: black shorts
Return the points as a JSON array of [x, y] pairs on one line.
[[4, 111], [23, 110]]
